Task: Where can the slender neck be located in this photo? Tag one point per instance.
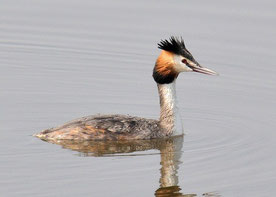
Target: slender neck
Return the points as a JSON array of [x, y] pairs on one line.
[[170, 119]]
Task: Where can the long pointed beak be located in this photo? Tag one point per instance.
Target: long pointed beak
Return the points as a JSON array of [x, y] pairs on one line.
[[197, 68], [204, 70]]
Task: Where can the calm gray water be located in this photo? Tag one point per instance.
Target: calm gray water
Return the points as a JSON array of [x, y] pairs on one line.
[[61, 60]]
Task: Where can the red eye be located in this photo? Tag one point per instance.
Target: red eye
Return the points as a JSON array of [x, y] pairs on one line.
[[184, 61]]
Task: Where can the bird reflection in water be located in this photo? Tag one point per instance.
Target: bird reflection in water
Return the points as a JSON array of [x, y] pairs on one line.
[[170, 153]]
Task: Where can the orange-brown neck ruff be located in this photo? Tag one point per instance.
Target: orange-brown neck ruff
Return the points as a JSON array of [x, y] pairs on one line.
[[163, 72]]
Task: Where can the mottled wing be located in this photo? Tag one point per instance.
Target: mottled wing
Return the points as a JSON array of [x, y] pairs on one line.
[[103, 127]]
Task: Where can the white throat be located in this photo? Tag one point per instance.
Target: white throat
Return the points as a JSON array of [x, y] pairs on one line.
[[170, 119]]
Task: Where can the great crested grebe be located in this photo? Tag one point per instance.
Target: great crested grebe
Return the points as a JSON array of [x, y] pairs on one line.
[[174, 59]]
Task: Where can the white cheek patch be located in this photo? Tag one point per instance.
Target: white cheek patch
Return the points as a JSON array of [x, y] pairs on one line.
[[179, 66]]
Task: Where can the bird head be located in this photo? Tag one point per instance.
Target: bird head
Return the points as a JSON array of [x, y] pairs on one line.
[[174, 59]]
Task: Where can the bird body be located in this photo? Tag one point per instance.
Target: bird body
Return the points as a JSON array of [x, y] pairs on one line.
[[173, 59], [104, 127]]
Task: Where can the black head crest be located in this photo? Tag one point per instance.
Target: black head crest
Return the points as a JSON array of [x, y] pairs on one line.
[[175, 46]]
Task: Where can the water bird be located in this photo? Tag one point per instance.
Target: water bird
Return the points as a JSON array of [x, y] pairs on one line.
[[173, 60]]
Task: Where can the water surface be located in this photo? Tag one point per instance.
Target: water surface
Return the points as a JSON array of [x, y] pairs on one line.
[[61, 60]]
